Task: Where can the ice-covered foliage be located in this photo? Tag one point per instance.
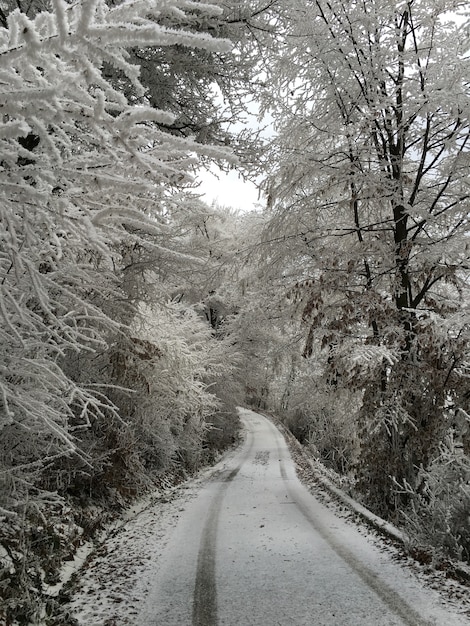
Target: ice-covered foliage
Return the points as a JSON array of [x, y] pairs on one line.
[[438, 513], [171, 367], [88, 176], [82, 170], [323, 418]]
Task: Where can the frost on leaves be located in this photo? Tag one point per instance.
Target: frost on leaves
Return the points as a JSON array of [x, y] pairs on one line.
[[86, 177]]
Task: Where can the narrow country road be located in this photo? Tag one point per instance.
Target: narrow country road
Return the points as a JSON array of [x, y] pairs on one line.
[[256, 548]]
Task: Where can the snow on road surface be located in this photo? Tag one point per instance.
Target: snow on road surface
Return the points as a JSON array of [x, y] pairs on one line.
[[250, 546]]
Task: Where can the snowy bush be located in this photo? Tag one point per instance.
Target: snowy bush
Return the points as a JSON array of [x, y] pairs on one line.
[[171, 365], [438, 516], [325, 420]]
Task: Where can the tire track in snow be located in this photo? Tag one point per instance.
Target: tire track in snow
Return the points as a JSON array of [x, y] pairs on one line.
[[205, 589], [389, 597]]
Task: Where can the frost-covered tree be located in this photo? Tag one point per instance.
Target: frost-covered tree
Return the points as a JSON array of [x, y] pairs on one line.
[[88, 179], [370, 215], [83, 171]]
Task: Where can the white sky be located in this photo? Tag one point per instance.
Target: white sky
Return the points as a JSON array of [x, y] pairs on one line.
[[228, 189]]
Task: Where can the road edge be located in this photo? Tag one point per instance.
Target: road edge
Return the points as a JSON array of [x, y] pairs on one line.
[[459, 571]]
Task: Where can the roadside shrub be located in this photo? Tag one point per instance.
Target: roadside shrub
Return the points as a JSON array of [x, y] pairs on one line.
[[323, 418], [438, 516]]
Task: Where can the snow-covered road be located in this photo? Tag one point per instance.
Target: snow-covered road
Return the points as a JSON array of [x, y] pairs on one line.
[[246, 544], [256, 548]]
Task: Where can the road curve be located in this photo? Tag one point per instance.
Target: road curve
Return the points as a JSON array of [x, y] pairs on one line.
[[255, 548]]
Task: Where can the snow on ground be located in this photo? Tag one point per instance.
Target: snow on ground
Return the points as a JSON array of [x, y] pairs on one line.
[[115, 581], [453, 594], [109, 589]]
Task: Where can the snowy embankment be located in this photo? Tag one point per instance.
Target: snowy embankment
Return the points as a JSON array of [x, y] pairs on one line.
[[319, 478], [108, 581], [376, 521]]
